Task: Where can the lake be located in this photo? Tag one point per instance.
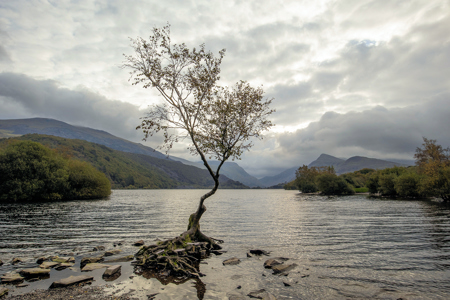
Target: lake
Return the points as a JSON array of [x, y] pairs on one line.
[[351, 247]]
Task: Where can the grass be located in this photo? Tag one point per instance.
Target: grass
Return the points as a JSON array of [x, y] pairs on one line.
[[361, 190]]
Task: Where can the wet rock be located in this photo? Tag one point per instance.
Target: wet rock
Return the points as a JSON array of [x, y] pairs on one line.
[[112, 270], [90, 260], [99, 248], [286, 283], [66, 259], [112, 252], [259, 252], [1, 262], [269, 296], [231, 261], [22, 285], [16, 260], [270, 263], [283, 269], [48, 264], [139, 243], [236, 297], [257, 294], [3, 292], [77, 249], [41, 259], [12, 278], [71, 280], [121, 259], [34, 272], [64, 266], [218, 252], [93, 266], [249, 254]]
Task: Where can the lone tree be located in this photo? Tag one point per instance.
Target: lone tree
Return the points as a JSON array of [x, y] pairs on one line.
[[218, 122]]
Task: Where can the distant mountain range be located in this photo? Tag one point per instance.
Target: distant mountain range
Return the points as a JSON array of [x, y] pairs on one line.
[[340, 165]]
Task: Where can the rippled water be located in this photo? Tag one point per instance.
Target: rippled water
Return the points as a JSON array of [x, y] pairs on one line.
[[346, 247]]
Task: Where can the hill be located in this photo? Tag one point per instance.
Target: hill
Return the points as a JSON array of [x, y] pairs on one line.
[[129, 170], [285, 176], [327, 160], [356, 163], [18, 127]]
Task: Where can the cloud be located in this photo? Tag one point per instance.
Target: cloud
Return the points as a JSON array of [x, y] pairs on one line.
[[22, 97]]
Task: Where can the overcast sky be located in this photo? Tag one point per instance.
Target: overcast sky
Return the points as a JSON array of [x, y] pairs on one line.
[[350, 77]]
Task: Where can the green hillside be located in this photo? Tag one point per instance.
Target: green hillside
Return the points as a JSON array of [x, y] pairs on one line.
[[127, 170]]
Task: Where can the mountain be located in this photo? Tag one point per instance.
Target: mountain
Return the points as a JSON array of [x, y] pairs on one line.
[[130, 170], [325, 160], [356, 163], [230, 169], [285, 176], [17, 127]]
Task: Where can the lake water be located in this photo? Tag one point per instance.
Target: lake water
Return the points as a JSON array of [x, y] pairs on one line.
[[351, 247]]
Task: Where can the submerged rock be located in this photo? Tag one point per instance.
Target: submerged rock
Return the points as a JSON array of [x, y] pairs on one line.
[[112, 252], [231, 261], [112, 270], [281, 269], [3, 292], [259, 252], [48, 264], [270, 263], [99, 248], [90, 260], [71, 280], [16, 260], [139, 243]]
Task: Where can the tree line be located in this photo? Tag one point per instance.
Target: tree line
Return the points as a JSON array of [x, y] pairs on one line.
[[430, 177], [30, 171]]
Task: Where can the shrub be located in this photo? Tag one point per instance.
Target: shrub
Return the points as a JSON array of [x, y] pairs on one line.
[[330, 184]]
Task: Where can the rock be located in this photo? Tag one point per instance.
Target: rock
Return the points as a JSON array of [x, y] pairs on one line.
[[286, 283], [3, 292], [64, 265], [269, 296], [64, 259], [139, 243], [259, 252], [249, 254], [48, 264], [112, 270], [121, 259], [34, 272], [93, 266], [71, 280], [218, 252], [11, 278], [16, 260], [236, 297], [180, 251], [99, 248], [41, 259], [112, 252], [231, 261], [257, 294], [1, 263], [22, 285], [283, 269], [90, 260], [270, 263], [77, 249]]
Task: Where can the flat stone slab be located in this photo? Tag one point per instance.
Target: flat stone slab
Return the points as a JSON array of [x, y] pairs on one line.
[[231, 261], [121, 259], [112, 270], [71, 280], [283, 268], [48, 264], [270, 263], [3, 291], [139, 243], [12, 277], [93, 266], [64, 259], [112, 252], [64, 266], [90, 260], [34, 272]]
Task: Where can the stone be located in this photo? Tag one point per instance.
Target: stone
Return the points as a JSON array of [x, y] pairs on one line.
[[93, 266], [257, 294], [64, 266], [3, 292], [139, 243], [231, 261], [112, 252], [34, 272], [48, 264], [11, 278], [270, 263], [71, 280], [236, 297], [268, 296], [1, 262], [249, 254], [16, 260], [121, 259], [41, 259], [22, 285], [218, 252], [259, 252], [90, 260], [179, 251], [99, 248], [112, 270], [64, 259], [283, 269]]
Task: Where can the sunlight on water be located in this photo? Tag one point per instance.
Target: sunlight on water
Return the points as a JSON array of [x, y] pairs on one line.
[[345, 247]]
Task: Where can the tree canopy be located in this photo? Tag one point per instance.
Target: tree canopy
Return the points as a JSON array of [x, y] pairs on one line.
[[31, 171]]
